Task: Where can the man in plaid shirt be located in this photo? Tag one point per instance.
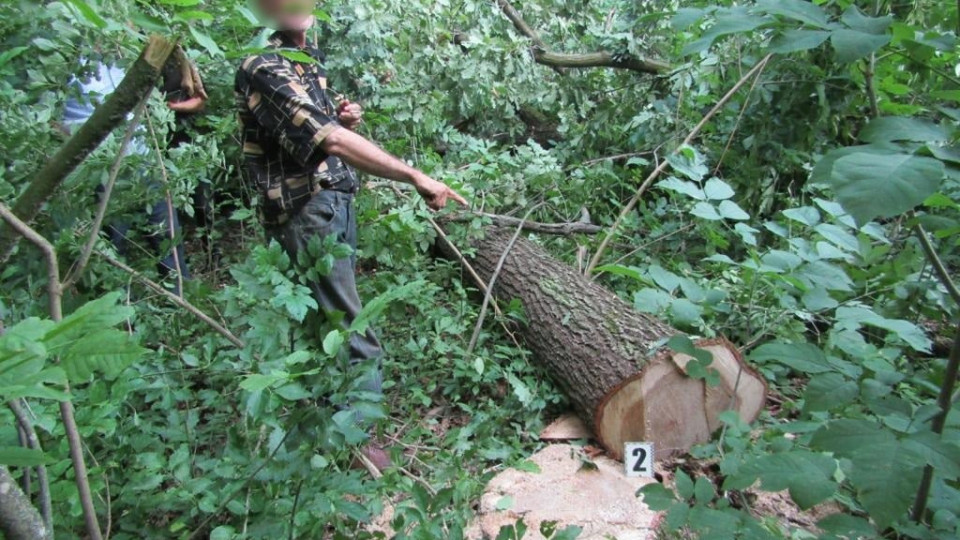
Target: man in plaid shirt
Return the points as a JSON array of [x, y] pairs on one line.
[[300, 150]]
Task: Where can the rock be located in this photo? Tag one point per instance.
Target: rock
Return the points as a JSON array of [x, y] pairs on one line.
[[568, 491]]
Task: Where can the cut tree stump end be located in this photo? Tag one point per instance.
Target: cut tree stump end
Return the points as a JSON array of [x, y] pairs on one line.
[[662, 404]]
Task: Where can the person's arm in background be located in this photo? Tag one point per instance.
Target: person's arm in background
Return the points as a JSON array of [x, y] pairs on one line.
[[192, 86], [275, 97]]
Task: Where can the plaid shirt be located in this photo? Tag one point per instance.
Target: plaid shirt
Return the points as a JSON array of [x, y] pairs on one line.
[[286, 114]]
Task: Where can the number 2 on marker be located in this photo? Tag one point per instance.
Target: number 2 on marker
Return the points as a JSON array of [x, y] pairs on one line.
[[638, 458]]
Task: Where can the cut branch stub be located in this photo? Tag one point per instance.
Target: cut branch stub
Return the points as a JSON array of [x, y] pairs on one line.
[[609, 358]]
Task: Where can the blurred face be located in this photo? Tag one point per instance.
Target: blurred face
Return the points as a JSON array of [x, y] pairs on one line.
[[289, 14]]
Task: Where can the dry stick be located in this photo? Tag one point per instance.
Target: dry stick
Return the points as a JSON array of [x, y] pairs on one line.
[[77, 270], [55, 291], [493, 281], [170, 217], [157, 288], [138, 82], [665, 163], [23, 421]]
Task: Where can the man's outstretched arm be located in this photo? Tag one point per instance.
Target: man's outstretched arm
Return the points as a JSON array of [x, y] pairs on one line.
[[371, 159]]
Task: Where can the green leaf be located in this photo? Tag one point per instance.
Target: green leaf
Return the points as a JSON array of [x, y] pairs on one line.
[[107, 352], [689, 162], [374, 307], [870, 186], [846, 436], [18, 456], [801, 357], [731, 210], [823, 170], [333, 342], [828, 391], [657, 497], [852, 317], [717, 190], [807, 475], [807, 215], [886, 477], [799, 10], [684, 484], [703, 490], [706, 211], [850, 45], [88, 13], [297, 56], [206, 42], [735, 21], [686, 187], [257, 381], [797, 39], [899, 128], [856, 20]]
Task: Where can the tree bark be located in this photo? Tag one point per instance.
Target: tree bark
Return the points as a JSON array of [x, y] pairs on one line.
[[610, 359], [136, 84], [19, 520], [559, 61]]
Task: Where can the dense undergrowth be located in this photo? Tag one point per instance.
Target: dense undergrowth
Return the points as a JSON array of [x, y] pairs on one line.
[[794, 225]]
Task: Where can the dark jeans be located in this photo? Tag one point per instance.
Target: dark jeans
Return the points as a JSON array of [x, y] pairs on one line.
[[158, 219], [331, 212]]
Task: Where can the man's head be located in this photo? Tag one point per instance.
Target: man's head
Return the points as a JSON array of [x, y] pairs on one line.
[[289, 14]]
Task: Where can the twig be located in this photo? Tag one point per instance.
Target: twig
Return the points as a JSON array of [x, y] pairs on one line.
[[172, 233], [937, 264], [55, 291], [944, 402], [33, 442], [493, 281], [367, 464], [77, 270], [757, 69], [562, 229], [157, 288], [293, 511], [615, 157], [733, 132]]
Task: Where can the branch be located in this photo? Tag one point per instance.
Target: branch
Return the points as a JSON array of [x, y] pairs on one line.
[[55, 291], [937, 263], [493, 280], [138, 83], [755, 72], [18, 518], [562, 229], [944, 402], [74, 274], [33, 442], [543, 55], [157, 288]]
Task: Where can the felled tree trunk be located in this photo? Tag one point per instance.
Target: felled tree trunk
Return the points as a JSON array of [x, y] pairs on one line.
[[610, 359]]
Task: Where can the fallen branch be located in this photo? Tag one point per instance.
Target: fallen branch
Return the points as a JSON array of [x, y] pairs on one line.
[[138, 83], [157, 288], [559, 61], [755, 72], [562, 229]]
